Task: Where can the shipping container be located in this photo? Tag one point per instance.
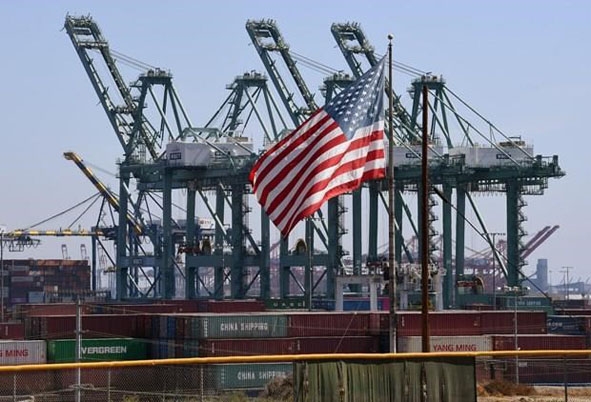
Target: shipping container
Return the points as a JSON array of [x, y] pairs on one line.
[[12, 330], [503, 322], [286, 304], [113, 308], [92, 350], [539, 342], [441, 323], [364, 304], [337, 344], [249, 376], [411, 154], [477, 343], [231, 306], [475, 156], [22, 352], [572, 311], [282, 346], [36, 297], [162, 349], [253, 325], [537, 303], [184, 306], [301, 324], [569, 324], [24, 310], [93, 326], [571, 304]]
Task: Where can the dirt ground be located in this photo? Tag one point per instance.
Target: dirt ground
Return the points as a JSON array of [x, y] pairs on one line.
[[541, 394]]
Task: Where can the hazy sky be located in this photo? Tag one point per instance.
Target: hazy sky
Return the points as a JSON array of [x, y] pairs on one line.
[[522, 64]]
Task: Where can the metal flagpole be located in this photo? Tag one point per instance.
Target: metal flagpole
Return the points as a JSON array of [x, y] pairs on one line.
[[391, 220]]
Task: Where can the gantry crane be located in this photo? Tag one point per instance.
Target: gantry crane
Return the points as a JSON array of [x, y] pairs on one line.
[[513, 168], [229, 159], [268, 41], [158, 171]]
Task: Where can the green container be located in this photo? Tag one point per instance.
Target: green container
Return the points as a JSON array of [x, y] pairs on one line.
[[243, 326], [285, 304], [94, 350], [536, 303], [249, 376]]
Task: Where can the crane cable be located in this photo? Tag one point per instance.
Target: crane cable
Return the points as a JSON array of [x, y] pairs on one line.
[[96, 195], [133, 62]]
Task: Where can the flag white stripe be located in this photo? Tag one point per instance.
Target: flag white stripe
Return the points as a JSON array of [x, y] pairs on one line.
[[346, 156], [303, 150], [261, 181], [305, 167], [302, 199]]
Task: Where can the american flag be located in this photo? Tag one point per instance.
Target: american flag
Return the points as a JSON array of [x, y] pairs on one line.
[[331, 153]]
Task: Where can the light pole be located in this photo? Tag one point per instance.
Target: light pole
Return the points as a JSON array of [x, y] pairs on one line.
[[494, 268], [567, 281], [516, 291], [2, 229]]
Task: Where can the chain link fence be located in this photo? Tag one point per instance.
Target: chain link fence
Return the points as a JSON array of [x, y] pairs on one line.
[[178, 382], [251, 378]]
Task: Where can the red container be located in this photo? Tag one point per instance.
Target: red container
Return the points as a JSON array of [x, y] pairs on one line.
[[375, 324], [282, 346], [244, 347], [93, 326], [338, 344], [185, 306], [573, 311], [502, 322], [441, 323], [539, 342], [12, 330], [24, 310], [137, 308], [231, 306], [327, 324]]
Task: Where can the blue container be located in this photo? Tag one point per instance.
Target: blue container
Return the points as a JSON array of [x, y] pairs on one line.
[[170, 327], [566, 325], [323, 304], [356, 305]]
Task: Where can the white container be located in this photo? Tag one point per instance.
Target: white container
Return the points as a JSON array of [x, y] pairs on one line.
[[411, 155], [36, 297], [188, 154], [492, 156], [412, 344], [20, 279], [225, 149], [22, 352]]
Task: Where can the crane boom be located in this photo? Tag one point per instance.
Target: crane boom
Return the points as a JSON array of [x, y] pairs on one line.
[[86, 38], [111, 198], [56, 233], [352, 41], [533, 246], [262, 31]]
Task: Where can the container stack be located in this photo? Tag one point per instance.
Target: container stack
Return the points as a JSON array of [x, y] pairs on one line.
[[189, 328], [30, 281]]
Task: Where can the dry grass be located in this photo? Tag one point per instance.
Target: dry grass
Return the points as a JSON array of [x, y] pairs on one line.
[[503, 391], [504, 388]]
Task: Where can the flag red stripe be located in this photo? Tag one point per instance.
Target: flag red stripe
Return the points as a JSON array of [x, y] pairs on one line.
[[332, 152], [287, 145], [316, 171], [299, 211], [273, 179], [345, 188]]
